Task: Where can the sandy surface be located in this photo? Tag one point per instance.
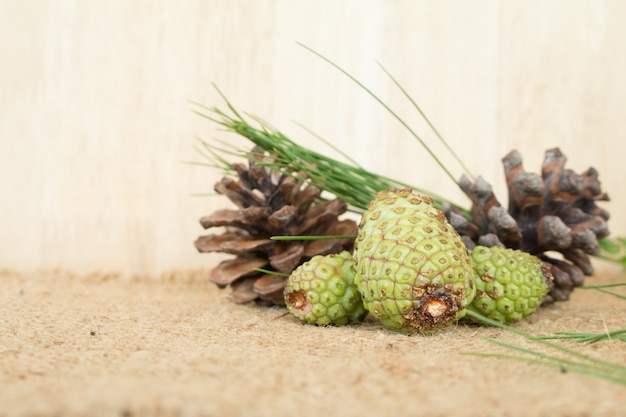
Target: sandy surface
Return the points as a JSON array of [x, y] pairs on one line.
[[106, 345]]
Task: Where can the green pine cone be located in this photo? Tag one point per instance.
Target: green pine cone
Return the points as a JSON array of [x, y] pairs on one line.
[[321, 291], [510, 284], [412, 269]]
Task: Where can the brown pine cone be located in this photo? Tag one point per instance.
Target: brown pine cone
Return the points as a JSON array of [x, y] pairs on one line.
[[269, 203], [548, 214]]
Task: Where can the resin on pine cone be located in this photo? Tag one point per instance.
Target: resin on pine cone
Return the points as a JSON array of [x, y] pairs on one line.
[[556, 211], [412, 269], [269, 203]]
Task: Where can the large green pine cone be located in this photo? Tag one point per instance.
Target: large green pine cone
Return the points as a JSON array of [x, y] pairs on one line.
[[412, 269], [321, 291], [510, 284]]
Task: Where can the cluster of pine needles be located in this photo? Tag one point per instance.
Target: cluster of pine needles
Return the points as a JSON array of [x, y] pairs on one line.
[[356, 186]]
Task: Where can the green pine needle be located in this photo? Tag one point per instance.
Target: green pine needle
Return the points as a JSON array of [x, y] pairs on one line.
[[427, 120], [613, 249], [602, 289], [270, 272], [323, 237], [590, 337], [389, 110], [566, 360], [348, 181]]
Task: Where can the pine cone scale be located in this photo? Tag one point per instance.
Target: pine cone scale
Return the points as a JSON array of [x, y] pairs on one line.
[[243, 291], [288, 258], [281, 218], [269, 284], [234, 244], [305, 198], [236, 193], [227, 272], [227, 217]]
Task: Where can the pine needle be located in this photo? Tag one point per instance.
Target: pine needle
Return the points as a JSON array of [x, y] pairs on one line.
[[613, 249], [389, 110], [270, 272], [329, 144], [602, 289], [353, 184], [427, 120], [324, 237], [590, 337], [568, 360]]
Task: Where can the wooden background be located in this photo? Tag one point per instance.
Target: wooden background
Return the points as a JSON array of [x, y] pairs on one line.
[[96, 120]]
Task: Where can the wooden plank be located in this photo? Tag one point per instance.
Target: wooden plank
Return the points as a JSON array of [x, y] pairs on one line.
[[96, 112]]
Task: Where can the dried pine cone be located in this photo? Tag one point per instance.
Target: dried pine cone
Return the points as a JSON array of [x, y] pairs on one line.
[[269, 204], [554, 212]]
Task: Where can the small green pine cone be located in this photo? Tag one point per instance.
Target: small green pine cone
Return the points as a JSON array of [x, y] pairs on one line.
[[412, 269], [321, 291], [510, 284]]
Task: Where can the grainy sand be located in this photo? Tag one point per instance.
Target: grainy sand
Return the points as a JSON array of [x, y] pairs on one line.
[[106, 345]]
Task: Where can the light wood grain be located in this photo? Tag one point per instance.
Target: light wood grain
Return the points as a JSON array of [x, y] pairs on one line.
[[96, 114]]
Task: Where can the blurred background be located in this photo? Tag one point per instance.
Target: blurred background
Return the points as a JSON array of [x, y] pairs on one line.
[[96, 120]]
